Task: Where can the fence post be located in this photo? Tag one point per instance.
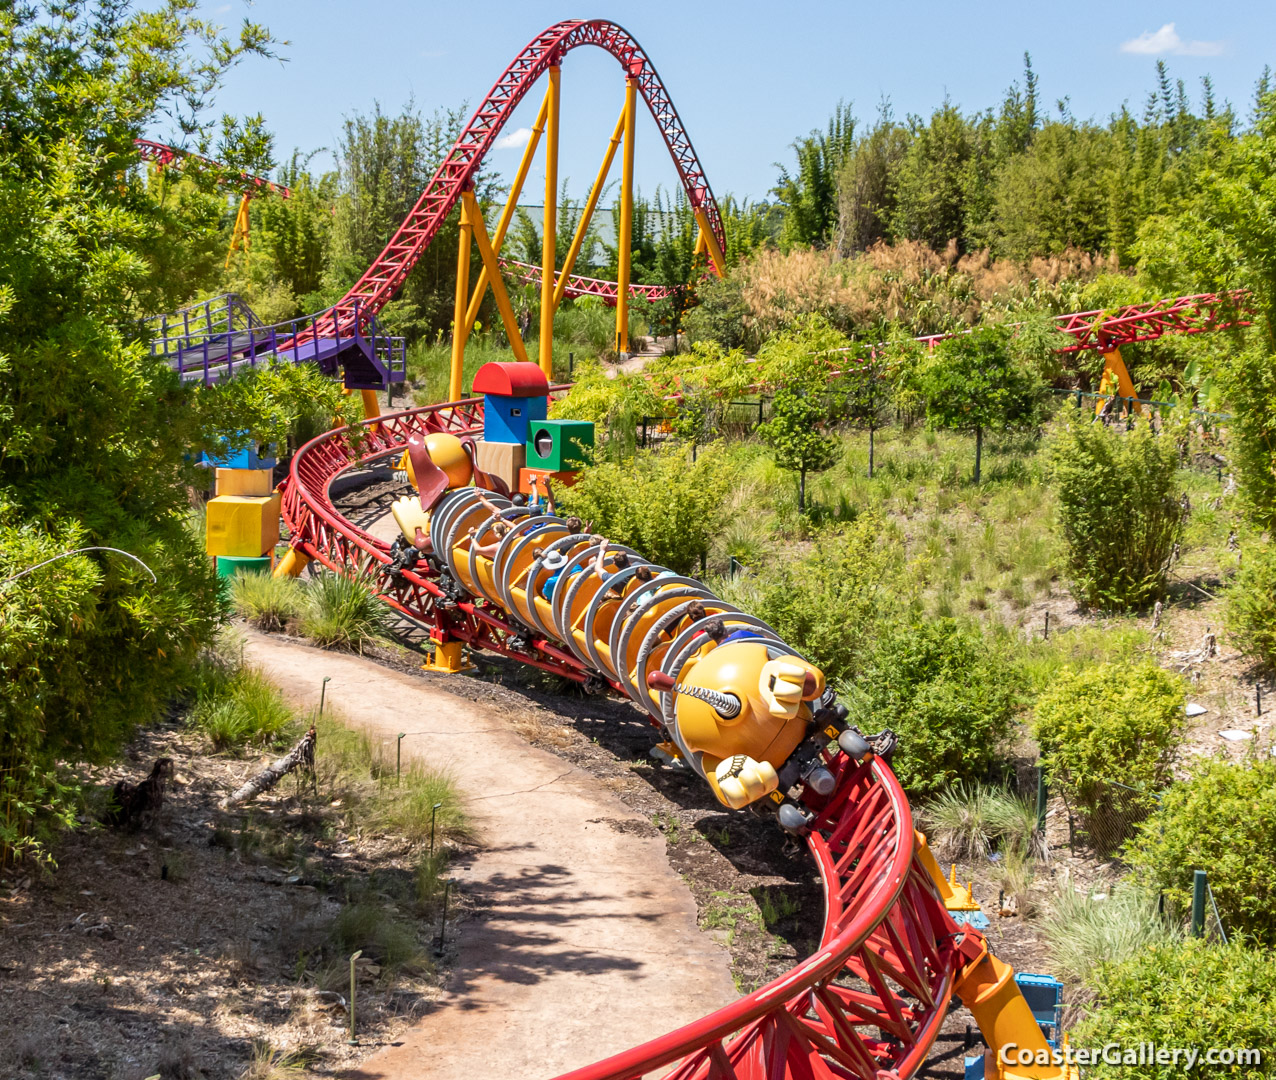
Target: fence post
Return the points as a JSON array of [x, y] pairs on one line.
[[1198, 903], [1042, 794]]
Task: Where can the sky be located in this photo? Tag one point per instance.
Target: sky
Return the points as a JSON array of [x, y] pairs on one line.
[[746, 77]]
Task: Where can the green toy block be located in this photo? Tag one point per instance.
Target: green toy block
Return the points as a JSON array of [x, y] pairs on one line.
[[230, 565], [559, 445]]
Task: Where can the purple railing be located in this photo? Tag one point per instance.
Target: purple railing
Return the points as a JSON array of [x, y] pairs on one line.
[[211, 340]]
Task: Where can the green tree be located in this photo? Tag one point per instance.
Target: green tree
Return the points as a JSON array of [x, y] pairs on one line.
[[795, 432], [972, 382], [949, 695], [810, 197], [866, 184], [94, 432], [830, 602], [1251, 603]]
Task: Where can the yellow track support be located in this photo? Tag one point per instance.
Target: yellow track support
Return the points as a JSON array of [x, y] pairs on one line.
[[448, 659], [293, 564], [716, 258], [583, 226], [626, 219], [460, 328], [475, 213], [549, 230], [1116, 380], [511, 202]]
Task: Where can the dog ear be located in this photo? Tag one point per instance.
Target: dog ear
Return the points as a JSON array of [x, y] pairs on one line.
[[431, 481]]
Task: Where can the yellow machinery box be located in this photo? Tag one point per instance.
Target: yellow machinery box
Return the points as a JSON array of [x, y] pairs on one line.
[[251, 482], [505, 460], [242, 525]]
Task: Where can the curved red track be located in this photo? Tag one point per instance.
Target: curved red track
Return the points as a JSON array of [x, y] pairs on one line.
[[391, 268], [870, 1001]]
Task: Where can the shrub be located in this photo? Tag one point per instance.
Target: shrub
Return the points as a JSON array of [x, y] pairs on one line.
[[1119, 510], [404, 808], [342, 613], [267, 602], [1222, 820], [971, 820], [1085, 931], [947, 693], [366, 925], [662, 505], [245, 710], [1251, 603], [1188, 995], [828, 603], [1115, 721]]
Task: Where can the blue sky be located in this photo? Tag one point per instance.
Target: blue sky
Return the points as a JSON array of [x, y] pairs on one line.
[[747, 77]]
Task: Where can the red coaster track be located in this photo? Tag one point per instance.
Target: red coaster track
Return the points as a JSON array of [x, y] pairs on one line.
[[870, 1001], [384, 277]]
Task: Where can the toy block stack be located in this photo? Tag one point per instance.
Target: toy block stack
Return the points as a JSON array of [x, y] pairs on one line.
[[556, 449], [242, 519], [515, 396]]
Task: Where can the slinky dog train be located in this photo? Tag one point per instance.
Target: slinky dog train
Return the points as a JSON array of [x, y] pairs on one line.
[[739, 706]]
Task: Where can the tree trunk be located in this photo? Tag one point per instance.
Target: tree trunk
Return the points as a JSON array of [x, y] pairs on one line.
[[301, 754], [801, 491], [979, 449], [870, 451]]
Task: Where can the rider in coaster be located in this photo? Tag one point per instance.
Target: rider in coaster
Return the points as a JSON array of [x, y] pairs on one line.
[[620, 561], [488, 551], [561, 567]]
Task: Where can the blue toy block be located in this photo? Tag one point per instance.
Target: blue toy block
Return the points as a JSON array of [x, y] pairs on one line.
[[248, 458], [974, 1067], [1044, 995], [505, 419]]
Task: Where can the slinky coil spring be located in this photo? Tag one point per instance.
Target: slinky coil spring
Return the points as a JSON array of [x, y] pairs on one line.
[[617, 626]]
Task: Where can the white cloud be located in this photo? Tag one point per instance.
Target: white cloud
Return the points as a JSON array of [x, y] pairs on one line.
[[513, 140], [1166, 42]]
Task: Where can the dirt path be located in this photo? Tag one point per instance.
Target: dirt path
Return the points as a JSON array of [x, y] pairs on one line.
[[586, 942]]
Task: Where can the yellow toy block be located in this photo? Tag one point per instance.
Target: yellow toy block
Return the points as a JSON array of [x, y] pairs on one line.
[[242, 525], [253, 483]]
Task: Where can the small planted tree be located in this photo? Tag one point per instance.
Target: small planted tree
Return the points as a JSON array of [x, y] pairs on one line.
[[973, 383], [868, 392], [793, 432]]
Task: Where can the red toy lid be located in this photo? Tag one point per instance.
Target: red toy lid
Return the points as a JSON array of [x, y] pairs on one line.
[[511, 380]]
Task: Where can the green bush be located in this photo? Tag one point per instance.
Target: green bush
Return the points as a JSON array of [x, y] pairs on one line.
[[267, 602], [1221, 820], [1084, 931], [1189, 995], [1111, 722], [1251, 603], [342, 613], [829, 602], [243, 710], [662, 505], [1119, 510], [949, 695]]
